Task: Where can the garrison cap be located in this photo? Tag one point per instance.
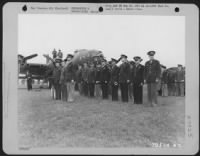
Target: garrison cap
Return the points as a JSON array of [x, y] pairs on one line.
[[136, 58], [113, 60], [179, 65], [151, 53], [123, 56]]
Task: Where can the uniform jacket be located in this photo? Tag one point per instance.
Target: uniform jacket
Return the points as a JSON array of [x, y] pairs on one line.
[[91, 75], [137, 74], [68, 73], [56, 75], [152, 71], [85, 74], [164, 78], [124, 72], [98, 74], [114, 74], [105, 74], [78, 76], [180, 76]]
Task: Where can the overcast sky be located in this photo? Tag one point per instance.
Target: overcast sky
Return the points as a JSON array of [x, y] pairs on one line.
[[133, 35]]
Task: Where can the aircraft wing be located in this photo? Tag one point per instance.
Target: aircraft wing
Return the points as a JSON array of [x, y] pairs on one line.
[[36, 70]]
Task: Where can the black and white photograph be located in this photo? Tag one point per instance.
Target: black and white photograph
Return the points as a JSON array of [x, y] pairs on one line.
[[101, 81]]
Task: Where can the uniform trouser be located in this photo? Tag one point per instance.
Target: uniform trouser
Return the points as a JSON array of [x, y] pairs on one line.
[[91, 89], [58, 91], [180, 88], [29, 84], [80, 88], [152, 93], [138, 93], [115, 92], [130, 90], [124, 91], [171, 89], [164, 89], [98, 90], [64, 92], [53, 95], [104, 87], [70, 91], [85, 88]]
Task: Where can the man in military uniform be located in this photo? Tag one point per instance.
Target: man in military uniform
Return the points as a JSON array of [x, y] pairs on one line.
[[180, 80], [54, 53], [91, 79], [56, 79], [98, 80], [152, 73], [137, 77], [124, 77], [62, 82], [130, 85], [85, 71], [29, 81], [79, 79], [69, 77], [105, 77], [114, 80], [164, 81], [60, 54]]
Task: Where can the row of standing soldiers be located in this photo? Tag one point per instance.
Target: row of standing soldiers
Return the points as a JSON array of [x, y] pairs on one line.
[[94, 79]]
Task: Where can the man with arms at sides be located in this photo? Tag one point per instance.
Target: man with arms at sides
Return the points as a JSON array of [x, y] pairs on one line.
[[91, 79], [68, 76], [137, 78], [114, 79], [105, 77], [180, 80], [152, 72], [124, 77], [98, 80]]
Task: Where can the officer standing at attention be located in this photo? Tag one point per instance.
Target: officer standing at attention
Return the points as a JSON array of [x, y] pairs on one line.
[[98, 80], [124, 77], [69, 77], [91, 79], [84, 75], [152, 74], [137, 77], [56, 79], [114, 79], [180, 80], [62, 82], [105, 77]]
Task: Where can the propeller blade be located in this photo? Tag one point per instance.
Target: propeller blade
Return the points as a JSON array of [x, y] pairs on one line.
[[30, 56]]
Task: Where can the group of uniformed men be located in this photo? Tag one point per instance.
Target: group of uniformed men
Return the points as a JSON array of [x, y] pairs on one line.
[[101, 78]]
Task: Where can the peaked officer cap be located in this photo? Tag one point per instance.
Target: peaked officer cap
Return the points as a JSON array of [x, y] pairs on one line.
[[151, 53], [112, 59], [123, 56]]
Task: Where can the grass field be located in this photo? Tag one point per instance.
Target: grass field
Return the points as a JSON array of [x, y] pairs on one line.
[[43, 122]]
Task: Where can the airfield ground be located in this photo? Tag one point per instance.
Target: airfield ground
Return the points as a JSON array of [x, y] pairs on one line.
[[87, 122]]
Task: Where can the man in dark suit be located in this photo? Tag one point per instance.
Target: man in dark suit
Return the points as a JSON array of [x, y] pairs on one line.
[[137, 78], [105, 77], [152, 73], [124, 78], [114, 79]]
